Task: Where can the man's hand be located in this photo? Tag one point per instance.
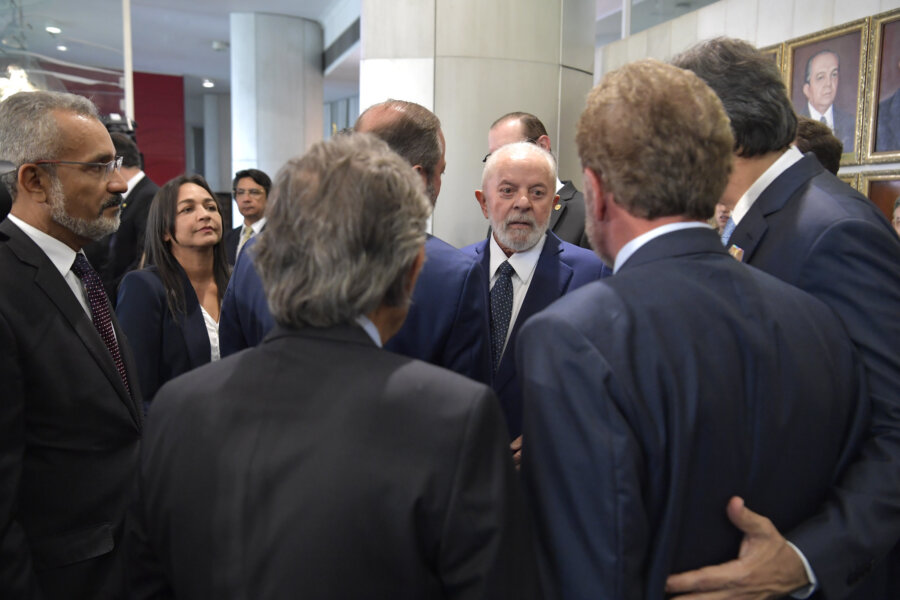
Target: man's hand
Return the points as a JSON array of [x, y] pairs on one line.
[[766, 566], [516, 448]]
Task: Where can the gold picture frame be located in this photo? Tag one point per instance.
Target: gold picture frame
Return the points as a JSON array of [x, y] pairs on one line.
[[776, 51], [846, 101], [882, 140], [882, 188], [851, 179]]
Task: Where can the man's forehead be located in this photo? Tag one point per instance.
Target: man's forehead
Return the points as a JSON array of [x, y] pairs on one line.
[[825, 61], [83, 134], [522, 167]]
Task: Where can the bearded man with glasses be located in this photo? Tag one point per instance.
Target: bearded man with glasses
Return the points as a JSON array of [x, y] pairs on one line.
[[70, 419]]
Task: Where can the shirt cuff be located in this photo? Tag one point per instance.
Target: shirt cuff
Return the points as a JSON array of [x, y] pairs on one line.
[[805, 591]]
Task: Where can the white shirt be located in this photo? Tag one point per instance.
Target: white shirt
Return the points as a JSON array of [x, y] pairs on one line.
[[255, 228], [784, 162], [136, 179], [817, 116], [61, 255], [523, 264], [632, 246], [370, 328], [212, 330]]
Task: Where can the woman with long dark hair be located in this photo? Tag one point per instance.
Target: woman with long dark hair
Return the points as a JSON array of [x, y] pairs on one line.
[[170, 309]]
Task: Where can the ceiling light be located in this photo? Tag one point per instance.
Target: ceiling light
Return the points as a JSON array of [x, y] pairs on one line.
[[62, 48], [208, 83], [52, 29]]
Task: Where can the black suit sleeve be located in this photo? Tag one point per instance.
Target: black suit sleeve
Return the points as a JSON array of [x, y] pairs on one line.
[[486, 548], [140, 311], [16, 569]]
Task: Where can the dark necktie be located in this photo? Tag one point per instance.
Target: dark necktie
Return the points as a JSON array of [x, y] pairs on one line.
[[100, 314], [501, 310]]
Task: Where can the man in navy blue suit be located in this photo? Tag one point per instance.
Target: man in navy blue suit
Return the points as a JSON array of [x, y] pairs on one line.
[[800, 223], [536, 267], [653, 396], [447, 323]]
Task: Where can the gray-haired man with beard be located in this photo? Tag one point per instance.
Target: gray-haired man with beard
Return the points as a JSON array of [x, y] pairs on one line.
[[70, 422], [528, 266]]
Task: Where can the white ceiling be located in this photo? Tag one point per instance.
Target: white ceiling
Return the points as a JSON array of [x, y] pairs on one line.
[[168, 36]]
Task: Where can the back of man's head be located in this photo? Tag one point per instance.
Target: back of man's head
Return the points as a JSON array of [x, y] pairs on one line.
[[29, 130], [410, 129], [347, 223], [817, 137], [659, 139], [127, 149], [532, 127], [750, 87]]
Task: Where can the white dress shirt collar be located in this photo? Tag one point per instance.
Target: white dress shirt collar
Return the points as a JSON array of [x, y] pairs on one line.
[[784, 162], [136, 179], [817, 116], [634, 245], [370, 329]]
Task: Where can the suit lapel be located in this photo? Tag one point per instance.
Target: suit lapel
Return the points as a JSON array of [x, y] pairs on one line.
[[49, 280], [565, 194], [752, 228], [550, 281], [192, 323]]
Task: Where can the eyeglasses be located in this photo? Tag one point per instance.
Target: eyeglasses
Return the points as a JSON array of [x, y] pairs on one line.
[[255, 192], [107, 168], [488, 155]]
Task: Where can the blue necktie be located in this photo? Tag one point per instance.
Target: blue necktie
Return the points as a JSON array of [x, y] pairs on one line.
[[501, 310], [726, 233]]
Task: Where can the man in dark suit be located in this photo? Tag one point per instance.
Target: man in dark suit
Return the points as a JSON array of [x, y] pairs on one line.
[[528, 267], [653, 396], [320, 465], [567, 217], [820, 86], [447, 323], [251, 192], [803, 225], [70, 418], [127, 244]]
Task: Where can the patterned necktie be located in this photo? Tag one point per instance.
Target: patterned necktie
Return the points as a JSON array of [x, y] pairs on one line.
[[824, 120], [501, 310], [100, 313], [726, 233], [246, 234]]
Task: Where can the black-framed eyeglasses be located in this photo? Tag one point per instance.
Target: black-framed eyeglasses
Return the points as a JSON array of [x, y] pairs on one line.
[[488, 155], [109, 168]]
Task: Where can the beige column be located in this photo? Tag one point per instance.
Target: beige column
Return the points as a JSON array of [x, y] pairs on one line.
[[276, 89], [471, 61]]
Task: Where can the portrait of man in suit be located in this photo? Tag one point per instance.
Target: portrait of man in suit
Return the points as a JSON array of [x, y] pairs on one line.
[[887, 115], [327, 466], [70, 417], [825, 84], [655, 395], [528, 266]]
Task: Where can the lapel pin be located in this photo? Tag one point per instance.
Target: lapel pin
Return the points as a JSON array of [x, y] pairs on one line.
[[737, 253]]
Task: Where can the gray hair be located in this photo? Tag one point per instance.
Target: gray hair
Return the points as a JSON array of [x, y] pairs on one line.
[[516, 148], [345, 224], [29, 130]]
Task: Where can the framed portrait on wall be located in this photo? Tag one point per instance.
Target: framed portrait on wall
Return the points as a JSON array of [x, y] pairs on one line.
[[883, 127], [776, 52], [825, 75], [883, 189], [851, 179]]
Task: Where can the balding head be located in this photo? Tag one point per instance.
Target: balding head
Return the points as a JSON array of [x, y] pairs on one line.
[[413, 132]]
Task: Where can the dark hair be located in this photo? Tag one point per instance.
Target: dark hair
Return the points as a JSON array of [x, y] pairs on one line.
[[816, 137], [750, 87], [161, 221], [256, 175], [532, 127], [410, 129], [127, 149], [817, 54]]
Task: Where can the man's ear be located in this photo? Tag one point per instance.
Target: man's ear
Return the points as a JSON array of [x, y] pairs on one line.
[[33, 181], [421, 171], [543, 142], [482, 201], [594, 195], [806, 90]]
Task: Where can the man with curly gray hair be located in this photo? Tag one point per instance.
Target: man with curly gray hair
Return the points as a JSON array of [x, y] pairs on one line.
[[322, 465]]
